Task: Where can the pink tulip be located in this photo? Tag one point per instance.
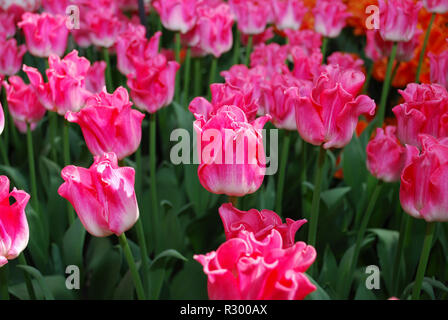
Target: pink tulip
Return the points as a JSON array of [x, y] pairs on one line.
[[330, 17], [437, 6], [346, 61], [109, 124], [7, 25], [103, 196], [45, 34], [213, 30], [257, 39], [24, 106], [306, 39], [152, 85], [221, 170], [177, 15], [245, 268], [439, 68], [424, 180], [385, 155], [56, 6], [398, 19], [23, 5], [95, 78], [272, 57], [425, 111], [279, 103], [104, 24], [288, 14], [252, 15], [14, 232], [260, 223], [307, 64], [329, 115], [10, 56]]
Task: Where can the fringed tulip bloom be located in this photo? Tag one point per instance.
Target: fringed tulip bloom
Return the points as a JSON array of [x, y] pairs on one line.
[[330, 17], [309, 40], [103, 196], [439, 68], [109, 124], [425, 111], [398, 19], [213, 30], [104, 25], [95, 77], [252, 16], [260, 223], [177, 15], [152, 85], [424, 180], [56, 6], [346, 61], [330, 113], [24, 106], [45, 34], [245, 268], [7, 25], [14, 232], [437, 6], [306, 63], [288, 14], [385, 155], [271, 56], [221, 170], [10, 56], [66, 87]]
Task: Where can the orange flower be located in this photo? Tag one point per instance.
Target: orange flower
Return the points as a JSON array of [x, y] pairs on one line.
[[358, 10]]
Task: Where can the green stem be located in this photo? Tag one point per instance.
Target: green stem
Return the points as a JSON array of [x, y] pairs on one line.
[[324, 48], [249, 50], [404, 229], [425, 43], [29, 284], [109, 81], [177, 52], [426, 250], [53, 122], [187, 72], [281, 178], [386, 87], [67, 161], [153, 174], [197, 77], [144, 254], [234, 201], [31, 164], [316, 197], [360, 237], [139, 172], [212, 78], [236, 49], [4, 294], [132, 267]]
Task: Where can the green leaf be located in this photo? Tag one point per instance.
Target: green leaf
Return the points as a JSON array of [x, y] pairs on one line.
[[333, 196], [73, 244], [319, 294], [15, 176], [40, 280]]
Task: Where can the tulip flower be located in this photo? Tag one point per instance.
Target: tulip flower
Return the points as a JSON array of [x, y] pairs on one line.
[[56, 6], [252, 15], [272, 57], [288, 14], [307, 64], [307, 39], [330, 17], [245, 268], [385, 155], [104, 25], [346, 61], [7, 25], [423, 181], [439, 68], [14, 233], [260, 223], [109, 124], [330, 113], [424, 111], [177, 15], [152, 85], [103, 196], [24, 106], [45, 34], [213, 30], [257, 39], [245, 79], [95, 77], [20, 5], [398, 19], [10, 56], [436, 6], [221, 170]]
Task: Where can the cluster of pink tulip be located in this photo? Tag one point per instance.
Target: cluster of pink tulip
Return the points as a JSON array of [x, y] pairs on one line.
[[295, 86]]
